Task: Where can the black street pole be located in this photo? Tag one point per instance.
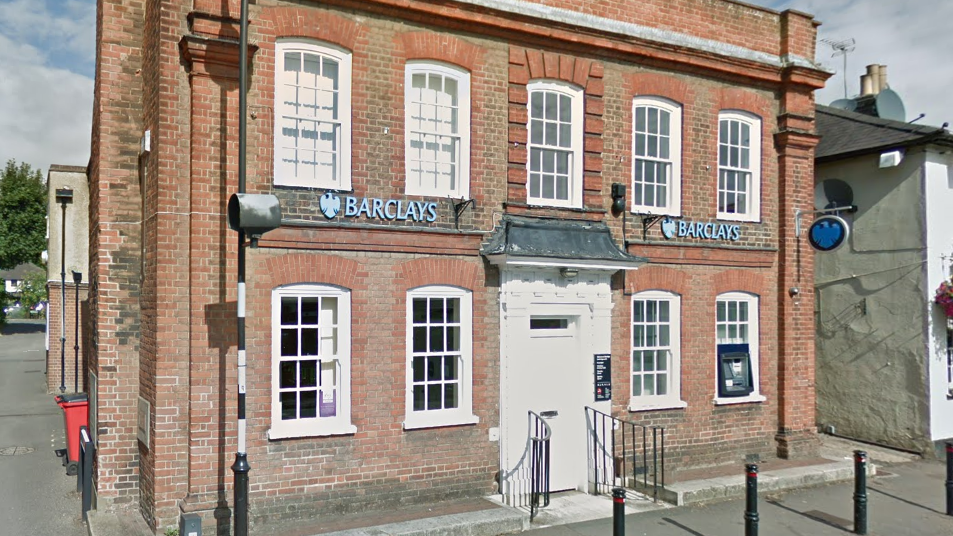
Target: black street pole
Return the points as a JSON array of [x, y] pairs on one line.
[[241, 467], [860, 492], [618, 512], [77, 279], [751, 499], [64, 196], [949, 478]]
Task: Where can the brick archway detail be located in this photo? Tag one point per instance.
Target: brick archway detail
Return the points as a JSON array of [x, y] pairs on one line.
[[657, 278], [310, 268], [431, 46], [739, 280], [314, 24], [452, 272]]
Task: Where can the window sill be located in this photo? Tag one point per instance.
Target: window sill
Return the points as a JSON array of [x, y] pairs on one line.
[[330, 430], [739, 217], [750, 399], [653, 406], [418, 422], [655, 211]]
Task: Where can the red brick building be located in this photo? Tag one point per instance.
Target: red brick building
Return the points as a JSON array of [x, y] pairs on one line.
[[448, 256]]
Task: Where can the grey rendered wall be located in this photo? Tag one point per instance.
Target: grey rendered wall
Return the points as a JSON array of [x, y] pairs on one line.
[[871, 368]]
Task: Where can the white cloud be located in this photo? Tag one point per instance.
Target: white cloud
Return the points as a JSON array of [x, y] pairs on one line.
[[911, 37], [45, 110]]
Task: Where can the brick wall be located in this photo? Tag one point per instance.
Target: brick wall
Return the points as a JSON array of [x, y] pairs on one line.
[[114, 246], [164, 308]]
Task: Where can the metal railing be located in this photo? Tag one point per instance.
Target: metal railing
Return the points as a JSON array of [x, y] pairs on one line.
[[84, 476], [624, 453], [527, 484]]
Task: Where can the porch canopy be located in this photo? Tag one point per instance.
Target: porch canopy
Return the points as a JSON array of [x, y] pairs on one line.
[[550, 242]]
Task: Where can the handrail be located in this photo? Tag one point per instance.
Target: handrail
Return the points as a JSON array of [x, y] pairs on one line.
[[618, 458], [531, 470]]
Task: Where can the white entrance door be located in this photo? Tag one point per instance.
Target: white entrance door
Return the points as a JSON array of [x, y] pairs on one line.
[[547, 375]]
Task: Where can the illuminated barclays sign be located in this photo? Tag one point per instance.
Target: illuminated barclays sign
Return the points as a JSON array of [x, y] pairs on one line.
[[697, 229], [374, 208]]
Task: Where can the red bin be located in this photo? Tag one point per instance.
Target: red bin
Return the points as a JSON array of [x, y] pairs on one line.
[[75, 415]]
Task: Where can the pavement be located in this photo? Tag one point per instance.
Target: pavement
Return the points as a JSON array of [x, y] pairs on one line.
[[36, 495], [906, 495]]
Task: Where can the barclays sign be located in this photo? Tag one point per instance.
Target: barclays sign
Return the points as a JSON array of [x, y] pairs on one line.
[[697, 229], [373, 208]]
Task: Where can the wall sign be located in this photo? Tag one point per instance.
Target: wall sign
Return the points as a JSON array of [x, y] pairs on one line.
[[603, 376], [374, 208], [828, 233], [143, 422], [698, 229]]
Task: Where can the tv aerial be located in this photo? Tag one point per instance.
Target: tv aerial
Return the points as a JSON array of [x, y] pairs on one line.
[[841, 48]]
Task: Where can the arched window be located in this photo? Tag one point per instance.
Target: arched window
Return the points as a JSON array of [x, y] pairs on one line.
[[554, 164], [437, 112], [739, 166], [736, 330], [656, 156], [439, 357], [656, 351], [311, 361], [312, 115]]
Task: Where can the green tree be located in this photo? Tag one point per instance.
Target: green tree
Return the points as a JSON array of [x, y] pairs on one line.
[[33, 289], [22, 215]]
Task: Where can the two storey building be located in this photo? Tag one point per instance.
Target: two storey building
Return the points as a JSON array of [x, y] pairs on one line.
[[482, 201]]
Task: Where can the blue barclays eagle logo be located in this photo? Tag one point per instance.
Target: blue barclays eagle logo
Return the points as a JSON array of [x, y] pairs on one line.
[[828, 233], [330, 205], [668, 228]]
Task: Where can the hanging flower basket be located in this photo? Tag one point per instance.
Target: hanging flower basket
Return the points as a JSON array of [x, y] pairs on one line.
[[944, 297]]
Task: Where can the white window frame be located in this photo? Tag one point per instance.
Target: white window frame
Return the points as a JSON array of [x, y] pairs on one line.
[[317, 426], [575, 149], [753, 212], [463, 414], [753, 328], [340, 179], [462, 178], [673, 197], [672, 399]]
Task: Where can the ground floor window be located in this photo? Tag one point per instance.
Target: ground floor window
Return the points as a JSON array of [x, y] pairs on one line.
[[311, 369], [736, 338], [439, 357], [655, 350]]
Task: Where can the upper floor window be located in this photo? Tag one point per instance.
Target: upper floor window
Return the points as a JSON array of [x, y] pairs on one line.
[[311, 361], [656, 351], [555, 144], [312, 116], [736, 328], [437, 100], [656, 156], [739, 166], [439, 357]]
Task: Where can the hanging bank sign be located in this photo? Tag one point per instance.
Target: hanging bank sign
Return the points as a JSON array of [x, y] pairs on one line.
[[373, 208], [698, 229]]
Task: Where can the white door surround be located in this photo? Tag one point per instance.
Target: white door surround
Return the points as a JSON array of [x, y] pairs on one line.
[[550, 328]]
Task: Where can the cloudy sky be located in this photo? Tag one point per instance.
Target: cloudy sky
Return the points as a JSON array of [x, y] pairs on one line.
[[46, 66]]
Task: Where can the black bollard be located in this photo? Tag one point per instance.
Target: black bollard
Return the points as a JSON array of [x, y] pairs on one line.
[[751, 499], [860, 492], [618, 512], [949, 479]]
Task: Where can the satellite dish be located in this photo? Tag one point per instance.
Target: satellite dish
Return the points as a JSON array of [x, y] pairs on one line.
[[889, 106], [833, 193], [845, 104]]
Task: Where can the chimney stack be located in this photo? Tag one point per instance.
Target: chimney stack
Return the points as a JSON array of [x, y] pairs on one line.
[[874, 81]]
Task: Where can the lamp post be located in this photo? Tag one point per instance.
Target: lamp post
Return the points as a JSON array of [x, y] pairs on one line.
[[77, 279], [64, 196]]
